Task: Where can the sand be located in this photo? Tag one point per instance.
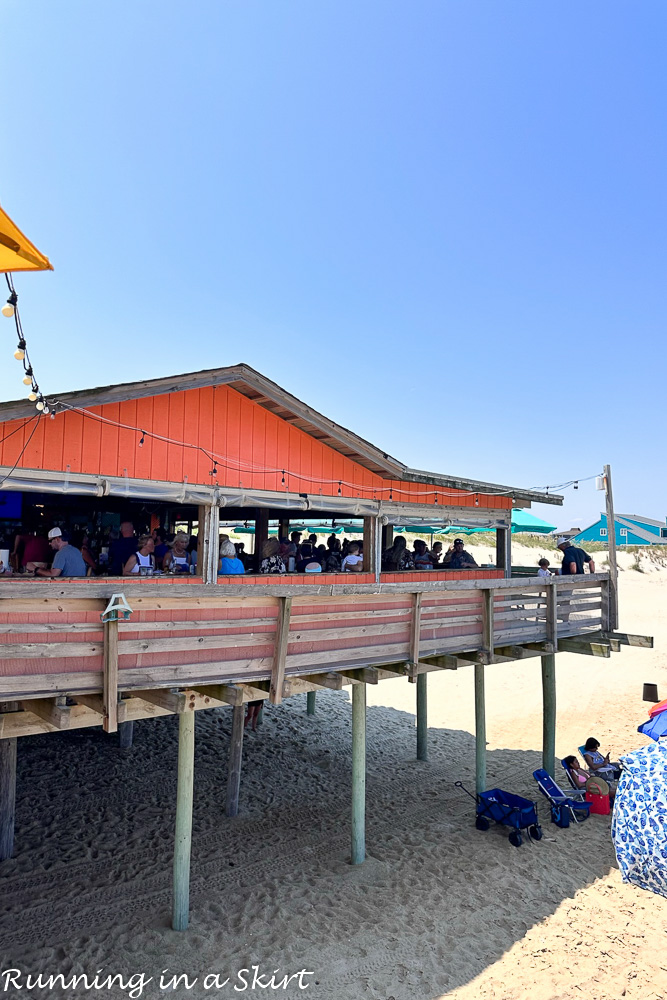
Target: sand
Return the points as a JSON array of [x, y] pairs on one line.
[[438, 909]]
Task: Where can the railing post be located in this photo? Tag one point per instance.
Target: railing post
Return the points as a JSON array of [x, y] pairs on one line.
[[415, 632], [552, 615], [110, 681], [488, 622], [480, 730], [280, 649], [7, 789]]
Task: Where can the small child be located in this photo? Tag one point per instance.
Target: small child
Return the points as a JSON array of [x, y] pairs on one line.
[[544, 568], [352, 562]]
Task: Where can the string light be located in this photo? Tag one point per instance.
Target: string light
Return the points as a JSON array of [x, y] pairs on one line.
[[143, 437], [10, 305], [10, 309]]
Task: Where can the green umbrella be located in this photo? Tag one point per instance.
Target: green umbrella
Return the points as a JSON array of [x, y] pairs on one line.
[[523, 521]]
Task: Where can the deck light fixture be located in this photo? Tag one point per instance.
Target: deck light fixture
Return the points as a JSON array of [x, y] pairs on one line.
[[19, 353]]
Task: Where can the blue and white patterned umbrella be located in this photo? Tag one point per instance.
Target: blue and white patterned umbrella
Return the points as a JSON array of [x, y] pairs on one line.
[[639, 823]]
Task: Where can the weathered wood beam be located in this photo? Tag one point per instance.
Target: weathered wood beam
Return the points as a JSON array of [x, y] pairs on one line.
[[46, 708], [628, 639], [330, 680], [515, 652], [174, 702], [230, 694], [587, 648], [364, 675], [415, 634]]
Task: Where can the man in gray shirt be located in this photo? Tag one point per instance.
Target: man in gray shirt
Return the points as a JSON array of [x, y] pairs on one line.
[[67, 561]]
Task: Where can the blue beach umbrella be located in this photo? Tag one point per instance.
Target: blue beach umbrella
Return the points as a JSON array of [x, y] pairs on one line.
[[655, 727], [639, 823]]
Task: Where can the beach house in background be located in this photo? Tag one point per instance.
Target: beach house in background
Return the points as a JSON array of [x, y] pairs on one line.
[[630, 530]]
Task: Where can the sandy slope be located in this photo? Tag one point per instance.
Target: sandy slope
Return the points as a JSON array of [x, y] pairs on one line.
[[438, 909]]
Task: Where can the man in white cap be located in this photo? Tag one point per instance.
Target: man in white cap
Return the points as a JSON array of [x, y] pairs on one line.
[[573, 558], [67, 561]]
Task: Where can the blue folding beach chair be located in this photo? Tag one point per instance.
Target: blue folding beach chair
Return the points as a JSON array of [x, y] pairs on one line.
[[577, 791], [560, 803]]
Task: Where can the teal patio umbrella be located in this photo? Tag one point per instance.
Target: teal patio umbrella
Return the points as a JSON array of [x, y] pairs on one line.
[[522, 520]]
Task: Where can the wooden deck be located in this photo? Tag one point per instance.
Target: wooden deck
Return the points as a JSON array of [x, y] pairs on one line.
[[271, 639]]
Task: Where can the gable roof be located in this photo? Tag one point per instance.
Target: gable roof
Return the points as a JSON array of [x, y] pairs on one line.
[[283, 404], [642, 520]]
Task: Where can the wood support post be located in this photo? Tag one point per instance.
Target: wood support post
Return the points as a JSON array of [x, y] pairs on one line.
[[280, 649], [183, 836], [549, 713], [261, 532], [235, 758], [422, 724], [371, 546], [7, 796], [208, 543], [310, 702], [125, 734], [552, 614], [110, 692], [358, 852], [504, 551], [260, 715], [480, 730], [387, 536], [488, 623]]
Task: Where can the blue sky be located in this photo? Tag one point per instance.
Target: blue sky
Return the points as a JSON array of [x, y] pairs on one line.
[[441, 223]]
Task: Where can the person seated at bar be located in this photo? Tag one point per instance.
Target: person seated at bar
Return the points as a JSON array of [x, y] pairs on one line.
[[229, 560], [161, 546], [31, 551], [143, 559], [308, 563], [122, 548], [458, 558], [398, 557], [321, 555], [67, 561], [295, 541], [333, 560], [312, 538], [354, 560], [81, 541], [271, 559], [421, 556], [436, 553], [178, 559], [239, 548]]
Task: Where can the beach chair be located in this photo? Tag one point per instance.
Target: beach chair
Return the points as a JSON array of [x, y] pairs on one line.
[[577, 810]]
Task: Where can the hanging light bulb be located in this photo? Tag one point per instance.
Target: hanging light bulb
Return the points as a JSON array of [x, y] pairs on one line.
[[9, 307], [19, 353], [46, 409], [32, 396], [27, 379], [40, 404]]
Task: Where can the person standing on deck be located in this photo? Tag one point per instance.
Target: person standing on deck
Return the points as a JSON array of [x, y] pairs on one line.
[[574, 559], [67, 561], [122, 548]]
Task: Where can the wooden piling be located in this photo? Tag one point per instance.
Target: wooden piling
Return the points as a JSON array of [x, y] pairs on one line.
[[125, 734], [235, 758], [310, 702], [548, 713], [7, 796], [422, 725], [183, 836], [480, 730], [358, 853]]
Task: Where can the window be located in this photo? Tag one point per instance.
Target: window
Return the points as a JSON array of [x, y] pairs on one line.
[[663, 532], [603, 532], [624, 532]]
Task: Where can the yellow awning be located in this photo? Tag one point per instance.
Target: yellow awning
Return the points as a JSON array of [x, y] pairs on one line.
[[17, 253]]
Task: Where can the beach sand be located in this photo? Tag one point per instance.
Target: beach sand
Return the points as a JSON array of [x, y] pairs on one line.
[[438, 909]]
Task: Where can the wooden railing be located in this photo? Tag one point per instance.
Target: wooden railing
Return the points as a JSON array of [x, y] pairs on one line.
[[52, 640]]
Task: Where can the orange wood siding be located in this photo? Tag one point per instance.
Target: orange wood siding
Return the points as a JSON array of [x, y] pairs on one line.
[[250, 446]]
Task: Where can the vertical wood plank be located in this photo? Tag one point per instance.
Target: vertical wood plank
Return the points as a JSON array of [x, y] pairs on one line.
[[552, 614], [280, 650], [488, 623], [208, 543], [235, 759], [415, 632], [261, 532], [125, 734], [110, 720], [183, 834]]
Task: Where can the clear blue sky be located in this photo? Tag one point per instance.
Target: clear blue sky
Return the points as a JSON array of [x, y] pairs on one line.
[[441, 223]]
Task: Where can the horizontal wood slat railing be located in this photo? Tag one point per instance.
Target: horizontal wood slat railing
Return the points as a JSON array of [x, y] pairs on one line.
[[56, 644]]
